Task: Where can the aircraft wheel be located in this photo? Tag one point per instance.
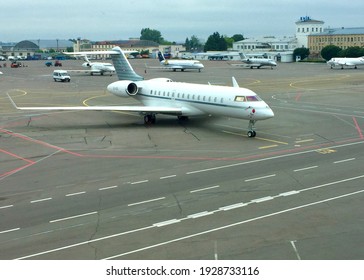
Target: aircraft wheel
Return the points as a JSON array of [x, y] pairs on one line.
[[149, 119], [251, 133], [182, 118]]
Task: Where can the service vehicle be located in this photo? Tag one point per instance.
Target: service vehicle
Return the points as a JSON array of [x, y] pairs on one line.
[[61, 75]]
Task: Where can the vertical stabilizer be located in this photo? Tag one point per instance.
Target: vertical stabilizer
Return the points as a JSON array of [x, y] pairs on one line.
[[235, 83], [242, 55], [161, 57], [122, 66]]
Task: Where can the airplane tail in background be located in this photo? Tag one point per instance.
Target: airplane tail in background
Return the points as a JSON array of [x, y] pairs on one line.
[[122, 66], [242, 55], [161, 57]]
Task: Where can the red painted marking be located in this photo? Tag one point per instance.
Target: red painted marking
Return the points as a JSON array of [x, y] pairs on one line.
[[16, 156], [26, 138], [15, 170], [358, 128], [298, 96]]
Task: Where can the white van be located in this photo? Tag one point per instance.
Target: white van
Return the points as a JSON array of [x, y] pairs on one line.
[[61, 75]]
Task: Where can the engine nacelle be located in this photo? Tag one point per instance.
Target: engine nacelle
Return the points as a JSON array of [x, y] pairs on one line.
[[123, 88]]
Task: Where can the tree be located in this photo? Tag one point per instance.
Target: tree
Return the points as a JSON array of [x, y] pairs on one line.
[[302, 52], [215, 42], [229, 41], [151, 35], [352, 52], [238, 37], [193, 44], [330, 51]]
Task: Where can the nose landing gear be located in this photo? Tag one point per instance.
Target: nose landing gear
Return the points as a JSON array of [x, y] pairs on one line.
[[251, 133]]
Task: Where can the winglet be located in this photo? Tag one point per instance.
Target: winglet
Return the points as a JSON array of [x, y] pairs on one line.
[[235, 83], [12, 101]]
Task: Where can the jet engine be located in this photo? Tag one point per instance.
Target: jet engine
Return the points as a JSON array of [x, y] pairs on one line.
[[123, 88]]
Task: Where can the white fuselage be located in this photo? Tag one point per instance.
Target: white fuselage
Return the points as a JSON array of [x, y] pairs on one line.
[[199, 100], [259, 62], [346, 61], [182, 64], [99, 66]]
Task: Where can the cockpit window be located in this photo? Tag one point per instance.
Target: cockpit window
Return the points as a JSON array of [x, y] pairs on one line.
[[252, 98], [240, 98]]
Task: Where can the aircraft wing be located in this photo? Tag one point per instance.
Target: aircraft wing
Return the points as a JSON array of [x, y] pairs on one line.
[[349, 63], [96, 52], [140, 109], [164, 67], [83, 71], [246, 65]]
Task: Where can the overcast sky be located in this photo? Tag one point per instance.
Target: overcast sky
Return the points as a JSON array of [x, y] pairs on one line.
[[176, 20]]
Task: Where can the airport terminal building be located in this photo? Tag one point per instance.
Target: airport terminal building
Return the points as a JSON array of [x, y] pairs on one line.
[[341, 37]]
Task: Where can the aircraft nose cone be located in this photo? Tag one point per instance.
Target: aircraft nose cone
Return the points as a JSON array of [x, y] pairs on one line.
[[263, 113]]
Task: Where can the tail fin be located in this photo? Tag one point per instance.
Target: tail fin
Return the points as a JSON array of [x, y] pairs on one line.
[[85, 58], [161, 57], [235, 83], [242, 55], [122, 66]]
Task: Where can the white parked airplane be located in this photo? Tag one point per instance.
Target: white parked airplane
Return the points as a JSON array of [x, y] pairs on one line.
[[346, 61], [95, 67], [163, 96], [255, 62], [179, 64]]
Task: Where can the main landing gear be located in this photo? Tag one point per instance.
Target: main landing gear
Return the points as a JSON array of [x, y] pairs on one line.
[[149, 119], [251, 133]]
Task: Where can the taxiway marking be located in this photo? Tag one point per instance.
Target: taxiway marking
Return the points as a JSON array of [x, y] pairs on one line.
[[40, 200], [73, 217], [147, 201]]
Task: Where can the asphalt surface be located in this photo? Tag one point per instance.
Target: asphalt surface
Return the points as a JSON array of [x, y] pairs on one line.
[[102, 185]]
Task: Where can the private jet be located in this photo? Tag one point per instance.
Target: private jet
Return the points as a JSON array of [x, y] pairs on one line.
[[251, 62], [346, 61], [179, 64], [95, 67], [184, 100]]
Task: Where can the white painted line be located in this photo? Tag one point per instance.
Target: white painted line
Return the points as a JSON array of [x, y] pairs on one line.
[[233, 206], [205, 189], [227, 226], [166, 177], [107, 188], [6, 206], [344, 160], [289, 193], [303, 141], [183, 237], [272, 158], [139, 182], [201, 214], [166, 223], [295, 249], [73, 217], [258, 200], [40, 200], [77, 193], [306, 168], [9, 230], [146, 201], [260, 178]]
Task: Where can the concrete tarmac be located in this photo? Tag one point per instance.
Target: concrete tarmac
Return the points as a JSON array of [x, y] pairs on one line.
[[102, 185]]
